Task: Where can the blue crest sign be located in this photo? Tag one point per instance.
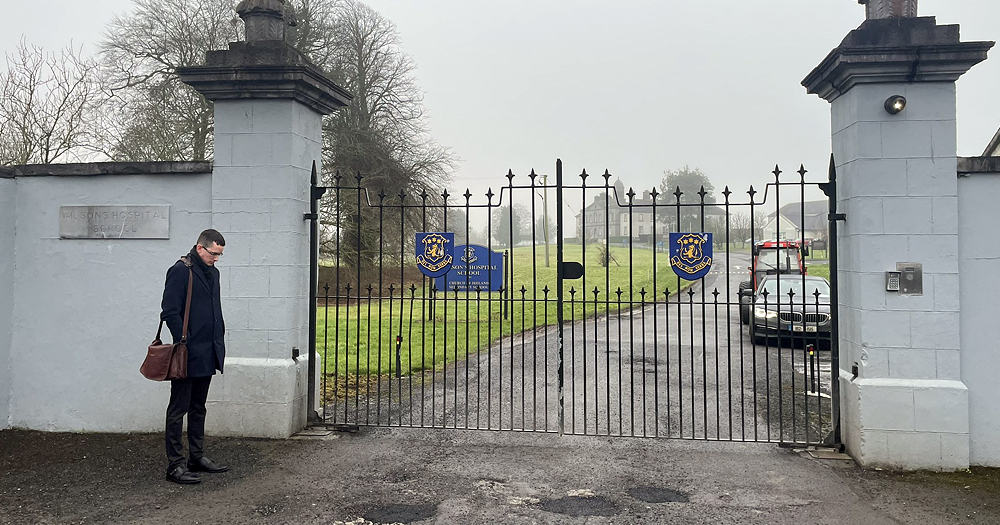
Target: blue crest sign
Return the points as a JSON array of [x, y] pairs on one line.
[[434, 252], [691, 254], [477, 268]]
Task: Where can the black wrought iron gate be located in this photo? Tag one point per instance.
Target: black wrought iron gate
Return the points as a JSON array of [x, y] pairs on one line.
[[606, 339]]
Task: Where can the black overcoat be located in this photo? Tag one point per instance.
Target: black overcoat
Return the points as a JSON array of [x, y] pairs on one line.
[[206, 328]]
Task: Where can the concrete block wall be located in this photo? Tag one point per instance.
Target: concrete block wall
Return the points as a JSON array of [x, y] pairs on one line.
[[902, 209], [979, 258], [897, 185], [264, 151], [85, 309], [8, 211]]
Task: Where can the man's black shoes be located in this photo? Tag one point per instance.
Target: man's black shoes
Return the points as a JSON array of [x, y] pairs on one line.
[[187, 476], [183, 476], [204, 464]]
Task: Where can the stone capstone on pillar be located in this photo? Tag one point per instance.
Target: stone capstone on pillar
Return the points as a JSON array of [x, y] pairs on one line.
[[264, 66], [906, 50], [264, 70]]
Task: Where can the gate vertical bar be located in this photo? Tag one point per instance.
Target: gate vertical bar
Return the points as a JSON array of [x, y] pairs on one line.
[[559, 290]]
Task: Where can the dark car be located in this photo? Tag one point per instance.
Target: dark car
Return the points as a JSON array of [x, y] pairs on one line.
[[791, 306], [770, 258]]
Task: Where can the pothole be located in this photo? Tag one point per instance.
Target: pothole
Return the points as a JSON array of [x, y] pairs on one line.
[[269, 509], [401, 513], [396, 476], [580, 506], [648, 364], [658, 495]]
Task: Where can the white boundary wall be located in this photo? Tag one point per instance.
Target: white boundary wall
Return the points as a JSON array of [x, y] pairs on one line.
[[979, 262], [84, 310], [8, 203]]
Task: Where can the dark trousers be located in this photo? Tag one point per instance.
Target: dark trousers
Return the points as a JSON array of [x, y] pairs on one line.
[[187, 396]]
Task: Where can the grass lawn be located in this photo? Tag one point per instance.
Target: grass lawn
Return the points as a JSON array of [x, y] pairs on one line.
[[821, 270], [360, 337]]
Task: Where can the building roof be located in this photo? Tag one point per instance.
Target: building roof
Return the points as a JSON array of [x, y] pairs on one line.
[[645, 204], [993, 150], [816, 213]]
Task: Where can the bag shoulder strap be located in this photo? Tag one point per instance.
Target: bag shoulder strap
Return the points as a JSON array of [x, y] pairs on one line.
[[187, 303], [186, 259]]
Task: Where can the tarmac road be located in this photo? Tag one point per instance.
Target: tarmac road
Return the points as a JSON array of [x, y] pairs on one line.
[[686, 369], [470, 477]]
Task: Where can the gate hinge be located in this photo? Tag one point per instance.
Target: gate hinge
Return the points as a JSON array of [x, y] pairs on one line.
[[837, 217], [310, 216], [318, 192]]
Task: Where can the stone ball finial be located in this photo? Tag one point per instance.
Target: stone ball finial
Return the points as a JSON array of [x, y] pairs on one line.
[[889, 8], [264, 19]]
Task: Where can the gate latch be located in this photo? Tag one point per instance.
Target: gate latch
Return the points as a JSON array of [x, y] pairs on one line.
[[572, 270]]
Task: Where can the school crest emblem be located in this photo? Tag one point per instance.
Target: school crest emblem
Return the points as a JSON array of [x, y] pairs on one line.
[[691, 254], [434, 252], [470, 255]]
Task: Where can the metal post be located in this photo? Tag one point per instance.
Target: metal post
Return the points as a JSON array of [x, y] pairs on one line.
[[316, 192], [399, 344], [559, 289], [812, 369], [830, 189], [545, 215], [508, 294]]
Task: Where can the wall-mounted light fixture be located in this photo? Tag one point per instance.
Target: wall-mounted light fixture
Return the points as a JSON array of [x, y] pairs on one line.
[[895, 104]]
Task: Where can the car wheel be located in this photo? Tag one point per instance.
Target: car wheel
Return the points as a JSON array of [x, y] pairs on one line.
[[744, 308], [757, 338]]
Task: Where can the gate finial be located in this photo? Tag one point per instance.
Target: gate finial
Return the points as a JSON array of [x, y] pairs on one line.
[[265, 19], [889, 8]]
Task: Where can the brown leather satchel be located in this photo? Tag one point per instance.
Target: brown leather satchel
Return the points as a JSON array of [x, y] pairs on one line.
[[167, 362]]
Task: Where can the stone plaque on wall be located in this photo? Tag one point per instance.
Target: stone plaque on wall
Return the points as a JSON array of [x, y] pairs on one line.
[[114, 222]]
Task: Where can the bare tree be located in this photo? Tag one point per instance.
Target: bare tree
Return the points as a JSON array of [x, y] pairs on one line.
[[382, 134], [739, 226], [151, 114], [760, 220], [44, 103], [540, 232], [458, 222], [509, 229], [690, 182]]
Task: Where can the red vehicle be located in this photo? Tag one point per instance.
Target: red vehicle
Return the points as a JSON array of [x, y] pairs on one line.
[[770, 258]]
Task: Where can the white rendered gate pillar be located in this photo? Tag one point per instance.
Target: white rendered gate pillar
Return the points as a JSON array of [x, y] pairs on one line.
[[891, 85], [269, 102]]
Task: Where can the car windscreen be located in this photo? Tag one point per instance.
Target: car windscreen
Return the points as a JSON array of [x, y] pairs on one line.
[[780, 287], [776, 259]]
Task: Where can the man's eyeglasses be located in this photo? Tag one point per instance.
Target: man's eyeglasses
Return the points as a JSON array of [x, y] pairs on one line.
[[210, 252]]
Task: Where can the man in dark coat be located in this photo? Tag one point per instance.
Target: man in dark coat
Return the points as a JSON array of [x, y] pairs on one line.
[[206, 354]]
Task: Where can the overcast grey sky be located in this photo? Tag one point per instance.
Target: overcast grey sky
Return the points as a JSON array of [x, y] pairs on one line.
[[634, 86]]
